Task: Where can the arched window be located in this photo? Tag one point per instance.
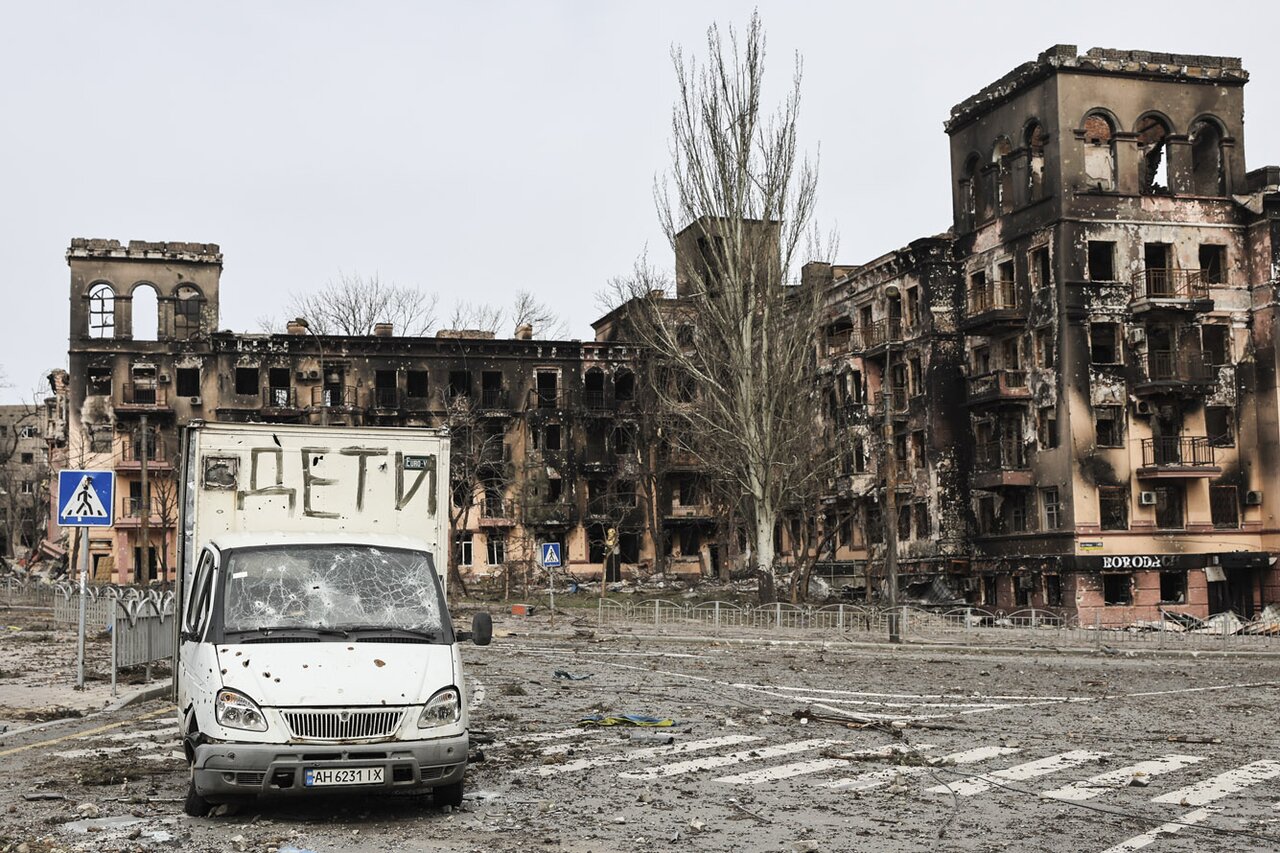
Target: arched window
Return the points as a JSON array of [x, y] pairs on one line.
[[1099, 153], [1000, 177], [593, 388], [102, 311], [1206, 159], [186, 312], [1153, 171], [973, 200], [1035, 141], [146, 313]]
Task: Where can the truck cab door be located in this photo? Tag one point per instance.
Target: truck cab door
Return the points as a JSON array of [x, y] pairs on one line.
[[193, 675]]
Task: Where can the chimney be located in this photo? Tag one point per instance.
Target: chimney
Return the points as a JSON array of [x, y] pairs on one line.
[[524, 332], [383, 330], [297, 326]]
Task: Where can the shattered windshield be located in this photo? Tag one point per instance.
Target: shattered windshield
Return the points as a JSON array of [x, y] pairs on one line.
[[338, 587]]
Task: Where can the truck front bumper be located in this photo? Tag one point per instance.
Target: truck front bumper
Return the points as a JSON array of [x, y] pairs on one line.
[[229, 770]]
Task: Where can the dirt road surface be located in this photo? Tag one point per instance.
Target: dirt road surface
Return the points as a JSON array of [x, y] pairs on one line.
[[959, 751]]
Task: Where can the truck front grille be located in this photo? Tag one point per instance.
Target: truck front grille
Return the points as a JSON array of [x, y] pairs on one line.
[[343, 724]]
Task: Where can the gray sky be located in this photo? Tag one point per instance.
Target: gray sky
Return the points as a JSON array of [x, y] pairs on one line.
[[481, 148]]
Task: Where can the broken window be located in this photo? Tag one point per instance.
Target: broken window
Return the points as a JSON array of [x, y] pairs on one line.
[[551, 437], [246, 381], [1108, 426], [1169, 502], [548, 389], [1213, 264], [1113, 507], [279, 393], [1117, 588], [900, 447], [987, 515], [186, 312], [491, 394], [1161, 281], [1224, 506], [1000, 176], [459, 385], [1053, 590], [913, 306], [555, 489], [1102, 255], [145, 305], [1047, 428], [1104, 343], [859, 456], [1041, 274], [1173, 587], [904, 522], [1153, 174], [1052, 518], [981, 360], [875, 526], [684, 336], [415, 384], [1218, 426], [1017, 512], [1035, 139], [917, 449], [624, 439], [624, 386], [102, 311], [462, 548], [1206, 159], [1099, 152], [1010, 358], [1044, 348], [967, 195], [386, 393], [188, 384], [497, 546], [924, 525]]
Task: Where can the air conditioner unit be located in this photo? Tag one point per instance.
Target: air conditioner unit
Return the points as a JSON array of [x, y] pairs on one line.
[[1143, 407], [1253, 498], [197, 401], [313, 374], [1147, 498], [163, 378], [1136, 334]]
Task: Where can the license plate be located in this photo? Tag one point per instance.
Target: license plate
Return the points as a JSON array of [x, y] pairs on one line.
[[317, 777]]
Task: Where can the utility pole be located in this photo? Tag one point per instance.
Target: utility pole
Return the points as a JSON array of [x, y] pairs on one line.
[[890, 482], [324, 407], [144, 552]]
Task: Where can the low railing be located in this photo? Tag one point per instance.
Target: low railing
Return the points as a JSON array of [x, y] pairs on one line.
[[334, 397], [544, 398], [279, 398], [998, 383], [880, 332], [1190, 285], [594, 400], [493, 398], [1184, 451], [1170, 366], [998, 296], [386, 398], [133, 507], [1001, 455], [135, 448], [144, 394]]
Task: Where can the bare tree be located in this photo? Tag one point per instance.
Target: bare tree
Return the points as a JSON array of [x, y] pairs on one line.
[[531, 310], [164, 505], [353, 304], [475, 316], [733, 348]]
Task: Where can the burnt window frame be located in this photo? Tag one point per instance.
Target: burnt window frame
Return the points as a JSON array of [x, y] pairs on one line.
[[1117, 589], [1224, 507], [183, 376], [1173, 581], [101, 321], [1225, 437], [1094, 260], [243, 372], [1114, 415], [1113, 507], [1116, 343]]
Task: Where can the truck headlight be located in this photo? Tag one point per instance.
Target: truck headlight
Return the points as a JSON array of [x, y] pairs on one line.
[[445, 707], [236, 711]]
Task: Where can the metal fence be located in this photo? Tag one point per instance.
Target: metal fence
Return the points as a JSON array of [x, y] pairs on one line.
[[967, 625], [141, 633]]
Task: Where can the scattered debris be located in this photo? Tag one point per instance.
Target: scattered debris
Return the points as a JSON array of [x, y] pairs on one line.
[[626, 720], [565, 675]]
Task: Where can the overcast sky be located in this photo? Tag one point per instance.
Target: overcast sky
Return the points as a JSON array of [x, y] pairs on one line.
[[476, 149]]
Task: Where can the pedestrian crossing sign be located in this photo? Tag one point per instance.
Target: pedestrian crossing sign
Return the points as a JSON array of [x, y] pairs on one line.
[[551, 555], [85, 498]]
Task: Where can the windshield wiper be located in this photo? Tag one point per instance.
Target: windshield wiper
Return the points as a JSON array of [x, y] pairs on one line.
[[390, 630], [290, 631]]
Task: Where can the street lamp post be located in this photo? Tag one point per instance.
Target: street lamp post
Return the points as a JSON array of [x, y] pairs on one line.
[[324, 408], [890, 481]]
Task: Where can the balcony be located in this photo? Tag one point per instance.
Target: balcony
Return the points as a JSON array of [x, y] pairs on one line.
[[279, 400], [998, 386], [993, 307], [1170, 372], [1173, 290], [334, 397], [131, 510], [556, 514], [143, 397], [696, 512], [896, 398], [1001, 463], [384, 399], [494, 400], [494, 513], [1178, 456], [595, 401], [878, 334], [546, 399], [133, 451]]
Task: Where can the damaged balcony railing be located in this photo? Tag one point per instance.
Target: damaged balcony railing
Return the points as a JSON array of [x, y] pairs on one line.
[[144, 395], [1191, 285], [1183, 451], [1170, 366], [999, 296], [279, 398], [334, 397], [879, 333], [1001, 454], [998, 384]]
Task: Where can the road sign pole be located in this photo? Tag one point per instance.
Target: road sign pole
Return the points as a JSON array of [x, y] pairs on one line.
[[84, 572]]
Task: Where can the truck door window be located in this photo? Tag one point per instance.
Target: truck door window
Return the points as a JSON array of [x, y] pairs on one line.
[[198, 603]]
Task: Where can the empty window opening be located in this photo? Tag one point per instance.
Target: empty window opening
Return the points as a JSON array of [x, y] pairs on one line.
[[595, 543], [555, 489], [624, 386], [1041, 274], [1153, 174], [624, 440], [1113, 507], [684, 335], [917, 449], [1206, 159], [491, 393], [1010, 357], [1218, 426], [1169, 504], [415, 383], [981, 360], [913, 306], [859, 456], [1104, 343], [247, 381], [102, 311], [987, 515], [1017, 512], [1053, 590], [1047, 428], [1109, 426], [1213, 264], [593, 388], [904, 522], [188, 381], [145, 308], [99, 381], [924, 525], [547, 384], [1099, 152], [1224, 506], [278, 391], [629, 547], [1044, 347], [386, 392], [968, 192], [1035, 139], [1102, 260], [1117, 589], [1173, 587], [551, 437], [459, 384], [186, 312]]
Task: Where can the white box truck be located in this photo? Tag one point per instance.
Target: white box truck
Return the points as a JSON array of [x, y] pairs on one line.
[[315, 650]]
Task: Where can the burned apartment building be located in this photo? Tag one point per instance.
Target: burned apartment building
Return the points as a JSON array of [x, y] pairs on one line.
[[543, 431], [24, 479], [1081, 372]]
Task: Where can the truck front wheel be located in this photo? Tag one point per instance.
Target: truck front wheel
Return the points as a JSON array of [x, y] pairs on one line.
[[195, 805], [448, 795]]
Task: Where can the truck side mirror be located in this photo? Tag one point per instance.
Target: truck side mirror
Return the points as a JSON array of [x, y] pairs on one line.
[[481, 629]]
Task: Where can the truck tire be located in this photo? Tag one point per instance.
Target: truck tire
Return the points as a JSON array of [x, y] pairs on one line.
[[195, 805], [448, 795]]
